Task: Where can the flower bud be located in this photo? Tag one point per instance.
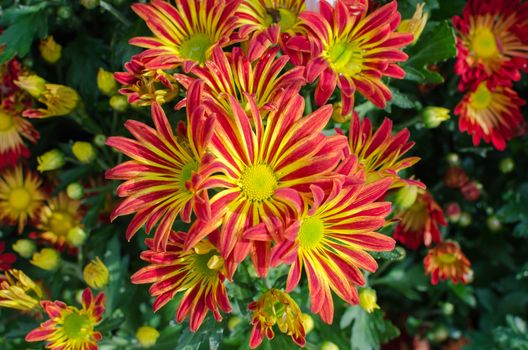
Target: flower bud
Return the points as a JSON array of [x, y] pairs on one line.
[[47, 259], [453, 212], [493, 223], [25, 248], [83, 151], [308, 323], [51, 160], [506, 165], [33, 84], [455, 177], [118, 103], [106, 82], [406, 196], [416, 24], [328, 345], [448, 309], [368, 299], [75, 190], [76, 236], [233, 322], [99, 140], [50, 50], [96, 274], [453, 159], [432, 117], [471, 190], [465, 219], [90, 4], [147, 336]]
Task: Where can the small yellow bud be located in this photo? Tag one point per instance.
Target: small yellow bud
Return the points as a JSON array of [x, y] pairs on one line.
[[75, 190], [406, 196], [308, 323], [25, 248], [106, 82], [416, 24], [233, 322], [336, 114], [76, 236], [47, 259], [90, 4], [83, 151], [51, 160], [33, 84], [368, 299], [50, 50], [328, 345], [434, 116], [118, 103], [147, 336], [96, 274]]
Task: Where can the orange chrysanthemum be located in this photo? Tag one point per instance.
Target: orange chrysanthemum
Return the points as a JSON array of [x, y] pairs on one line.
[[187, 33], [68, 327], [21, 197], [331, 239], [490, 113], [353, 51], [198, 273], [163, 179], [419, 223], [446, 261], [492, 41]]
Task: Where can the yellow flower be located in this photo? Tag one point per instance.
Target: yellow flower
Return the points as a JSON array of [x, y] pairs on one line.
[[337, 115], [51, 160], [118, 103], [96, 274], [434, 116], [106, 82], [24, 247], [75, 190], [368, 299], [76, 236], [59, 100], [147, 336], [18, 291], [47, 259], [233, 322], [33, 84], [328, 345], [308, 323], [83, 151], [416, 24], [50, 50]]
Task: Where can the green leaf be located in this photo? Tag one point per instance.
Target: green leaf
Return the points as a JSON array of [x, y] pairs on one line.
[[23, 24], [369, 331]]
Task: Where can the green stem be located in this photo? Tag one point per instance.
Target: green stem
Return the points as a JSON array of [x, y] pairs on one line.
[[108, 7]]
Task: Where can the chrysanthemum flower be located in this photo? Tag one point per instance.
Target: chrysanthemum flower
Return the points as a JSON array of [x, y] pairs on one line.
[[198, 273], [21, 196], [6, 259], [266, 168], [354, 52], [68, 327], [492, 41], [330, 241], [379, 153], [368, 300], [275, 307], [144, 86], [490, 113], [419, 223], [162, 180], [19, 292], [264, 20], [96, 274], [58, 220], [236, 75], [446, 261], [185, 34]]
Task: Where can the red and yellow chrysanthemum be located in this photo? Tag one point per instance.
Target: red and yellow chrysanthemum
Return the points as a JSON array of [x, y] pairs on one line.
[[59, 219], [185, 33], [492, 41], [236, 75], [6, 259], [490, 113], [447, 261], [163, 178], [419, 223], [68, 327], [266, 168], [264, 20], [21, 196], [144, 86], [354, 52], [379, 153], [276, 307], [19, 292], [199, 273], [330, 240]]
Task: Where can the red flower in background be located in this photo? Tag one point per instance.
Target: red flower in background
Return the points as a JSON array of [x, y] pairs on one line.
[[446, 261], [6, 259]]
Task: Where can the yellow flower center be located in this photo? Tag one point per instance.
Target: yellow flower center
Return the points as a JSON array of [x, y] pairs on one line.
[[415, 217], [19, 199], [186, 174], [284, 17], [60, 223], [484, 43], [345, 58], [195, 48], [208, 264], [6, 121], [77, 326], [258, 182], [447, 259], [481, 98], [311, 232]]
